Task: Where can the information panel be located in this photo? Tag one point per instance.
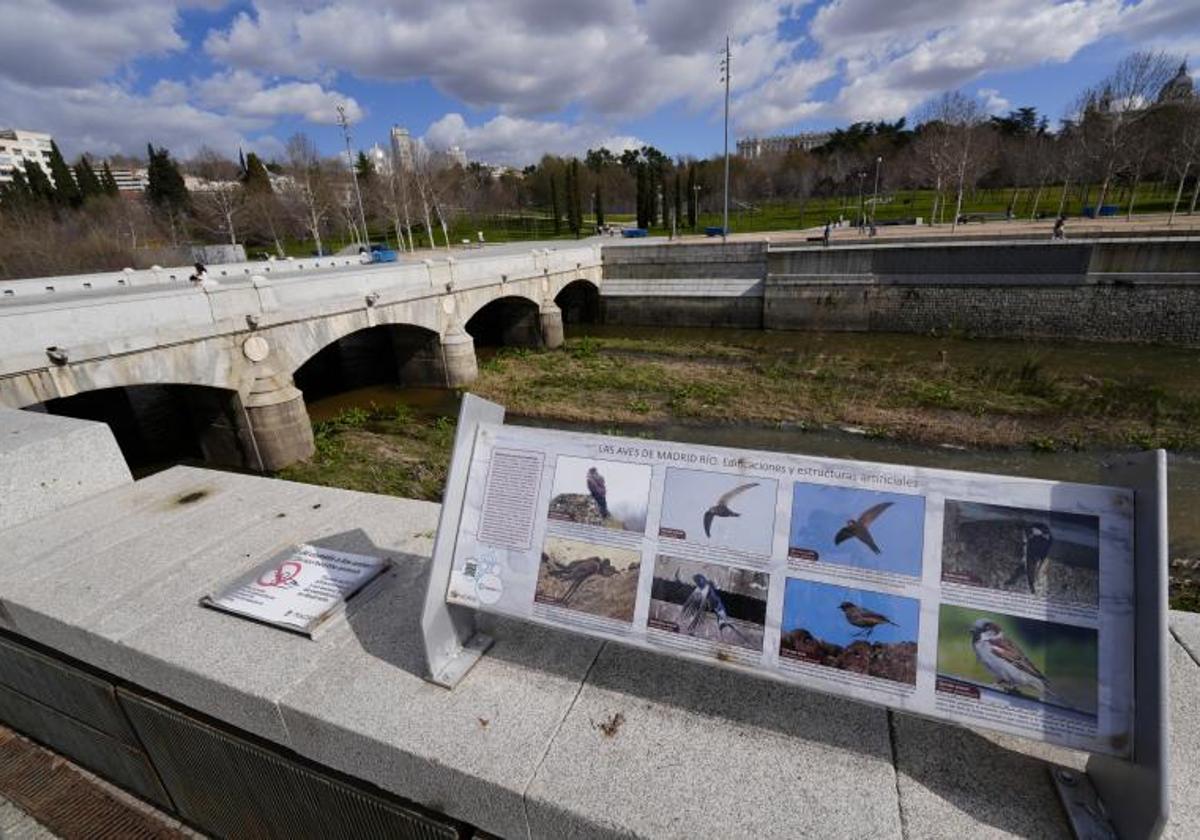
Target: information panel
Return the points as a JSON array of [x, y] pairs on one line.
[[987, 600]]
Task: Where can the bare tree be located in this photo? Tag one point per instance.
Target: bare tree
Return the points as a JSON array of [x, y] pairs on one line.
[[220, 199], [307, 191]]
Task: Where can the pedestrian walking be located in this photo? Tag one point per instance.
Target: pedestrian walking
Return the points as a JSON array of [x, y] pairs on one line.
[[1060, 228], [828, 232], [199, 274]]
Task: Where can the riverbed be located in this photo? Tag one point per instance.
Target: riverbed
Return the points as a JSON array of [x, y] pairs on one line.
[[1170, 376]]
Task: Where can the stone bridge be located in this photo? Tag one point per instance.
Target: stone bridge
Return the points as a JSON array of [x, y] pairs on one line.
[[149, 348]]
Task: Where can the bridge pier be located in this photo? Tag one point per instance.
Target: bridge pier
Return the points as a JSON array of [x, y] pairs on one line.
[[550, 318], [435, 361], [279, 426], [458, 357]]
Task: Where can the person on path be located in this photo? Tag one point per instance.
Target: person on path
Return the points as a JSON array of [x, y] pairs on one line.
[[828, 233], [1060, 228]]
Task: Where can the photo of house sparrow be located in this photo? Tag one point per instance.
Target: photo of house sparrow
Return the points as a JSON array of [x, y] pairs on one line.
[[1006, 661]]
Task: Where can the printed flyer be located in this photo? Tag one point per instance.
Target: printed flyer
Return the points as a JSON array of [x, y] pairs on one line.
[[991, 601]]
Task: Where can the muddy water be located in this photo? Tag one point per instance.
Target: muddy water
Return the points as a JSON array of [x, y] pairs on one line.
[[1176, 369]]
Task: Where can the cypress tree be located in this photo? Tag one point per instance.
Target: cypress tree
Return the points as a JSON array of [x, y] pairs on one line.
[[85, 177], [16, 193], [66, 191], [39, 182], [362, 165], [257, 179], [569, 191], [599, 206], [108, 182], [554, 203], [691, 196], [165, 189], [678, 200], [575, 210]]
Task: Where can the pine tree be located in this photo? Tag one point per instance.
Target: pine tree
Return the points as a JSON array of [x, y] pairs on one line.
[[108, 182], [66, 191], [554, 204], [39, 182], [258, 180], [599, 207], [165, 187], [691, 196], [362, 166], [17, 192], [85, 177]]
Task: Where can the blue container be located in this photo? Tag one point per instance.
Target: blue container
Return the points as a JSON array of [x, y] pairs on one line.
[[381, 254], [714, 231], [634, 233]]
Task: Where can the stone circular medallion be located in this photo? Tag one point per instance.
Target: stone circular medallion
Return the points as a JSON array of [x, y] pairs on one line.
[[256, 348], [448, 305]]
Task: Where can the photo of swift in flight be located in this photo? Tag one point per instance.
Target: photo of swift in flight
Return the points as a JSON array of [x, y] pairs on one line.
[[868, 529]]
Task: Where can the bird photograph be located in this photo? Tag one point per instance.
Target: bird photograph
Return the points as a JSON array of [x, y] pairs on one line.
[[866, 620], [602, 494], [1045, 554], [860, 528], [709, 601], [722, 509], [719, 509], [850, 629], [1022, 660], [586, 577], [849, 526]]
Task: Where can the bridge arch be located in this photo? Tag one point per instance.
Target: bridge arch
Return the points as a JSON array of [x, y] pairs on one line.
[[579, 301], [160, 424], [513, 320], [401, 354]]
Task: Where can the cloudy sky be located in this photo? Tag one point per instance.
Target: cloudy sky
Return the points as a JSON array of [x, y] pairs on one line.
[[511, 79]]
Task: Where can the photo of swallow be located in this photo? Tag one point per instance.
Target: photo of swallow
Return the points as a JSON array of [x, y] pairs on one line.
[[602, 494], [850, 629], [586, 577], [862, 528], [721, 508], [866, 620], [1040, 553], [708, 601], [859, 528], [1018, 661]]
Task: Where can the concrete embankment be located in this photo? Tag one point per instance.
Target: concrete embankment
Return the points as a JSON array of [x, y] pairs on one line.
[[1145, 290]]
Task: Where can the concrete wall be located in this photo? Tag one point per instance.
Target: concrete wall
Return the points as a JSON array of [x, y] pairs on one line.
[[1145, 290]]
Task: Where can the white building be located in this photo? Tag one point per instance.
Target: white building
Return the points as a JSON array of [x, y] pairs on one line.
[[381, 161], [403, 148], [17, 146], [753, 148], [456, 155], [129, 180]]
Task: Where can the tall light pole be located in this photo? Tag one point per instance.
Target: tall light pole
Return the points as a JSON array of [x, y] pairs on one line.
[[875, 194], [726, 70], [362, 217], [696, 204]]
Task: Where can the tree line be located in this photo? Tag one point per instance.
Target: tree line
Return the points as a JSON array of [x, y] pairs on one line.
[[1138, 126]]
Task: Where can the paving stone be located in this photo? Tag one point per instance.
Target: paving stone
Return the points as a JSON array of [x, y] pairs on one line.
[[1184, 822], [658, 747]]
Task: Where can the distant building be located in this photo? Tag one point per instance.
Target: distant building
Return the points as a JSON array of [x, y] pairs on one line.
[[403, 149], [753, 148], [18, 146], [132, 180], [1179, 89], [381, 161], [457, 155]]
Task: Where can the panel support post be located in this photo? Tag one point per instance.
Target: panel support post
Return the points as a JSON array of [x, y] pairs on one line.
[[1136, 792], [452, 644]]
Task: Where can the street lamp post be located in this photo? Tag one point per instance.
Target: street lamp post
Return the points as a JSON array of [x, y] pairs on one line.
[[875, 194], [862, 211], [696, 204], [726, 70], [362, 217]]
